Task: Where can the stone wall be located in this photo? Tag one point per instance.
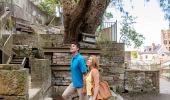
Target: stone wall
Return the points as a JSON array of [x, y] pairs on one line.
[[40, 73], [60, 64], [112, 61], [13, 82], [50, 40], [26, 10], [35, 40], [26, 39], [105, 34], [142, 81]]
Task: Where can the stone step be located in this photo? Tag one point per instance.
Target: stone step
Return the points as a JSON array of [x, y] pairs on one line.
[[48, 98], [15, 62], [67, 50], [34, 94], [115, 96], [64, 67]]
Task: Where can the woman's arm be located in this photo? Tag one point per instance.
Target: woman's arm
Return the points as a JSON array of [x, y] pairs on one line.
[[95, 76]]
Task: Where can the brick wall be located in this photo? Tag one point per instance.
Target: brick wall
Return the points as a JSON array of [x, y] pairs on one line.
[[61, 75]]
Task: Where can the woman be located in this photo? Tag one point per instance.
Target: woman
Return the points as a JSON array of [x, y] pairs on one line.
[[92, 78]]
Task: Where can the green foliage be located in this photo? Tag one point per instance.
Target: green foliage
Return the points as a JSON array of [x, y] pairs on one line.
[[134, 54], [49, 6], [106, 15], [128, 33], [9, 23], [165, 5]]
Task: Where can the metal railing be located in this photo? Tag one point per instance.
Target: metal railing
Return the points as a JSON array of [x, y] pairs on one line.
[[7, 47], [107, 24], [143, 65], [24, 61], [113, 27]]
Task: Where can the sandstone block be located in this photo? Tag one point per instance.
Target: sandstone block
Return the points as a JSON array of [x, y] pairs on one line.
[[14, 82]]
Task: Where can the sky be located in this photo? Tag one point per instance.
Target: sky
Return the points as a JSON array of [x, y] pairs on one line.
[[150, 20]]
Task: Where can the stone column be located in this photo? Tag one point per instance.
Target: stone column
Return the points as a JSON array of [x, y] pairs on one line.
[[40, 73], [13, 82], [112, 63]]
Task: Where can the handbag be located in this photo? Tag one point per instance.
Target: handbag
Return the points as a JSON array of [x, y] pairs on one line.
[[104, 92]]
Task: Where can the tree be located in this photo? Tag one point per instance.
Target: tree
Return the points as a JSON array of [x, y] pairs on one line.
[[165, 5], [82, 17], [49, 6], [128, 33]]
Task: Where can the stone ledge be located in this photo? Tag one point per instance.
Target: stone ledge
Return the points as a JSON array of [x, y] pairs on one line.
[[10, 66], [14, 82], [14, 98]]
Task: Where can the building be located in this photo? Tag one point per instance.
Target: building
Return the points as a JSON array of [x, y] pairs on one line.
[[165, 38], [155, 54]]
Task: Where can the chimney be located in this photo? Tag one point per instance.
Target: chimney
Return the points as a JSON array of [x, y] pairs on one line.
[[153, 46]]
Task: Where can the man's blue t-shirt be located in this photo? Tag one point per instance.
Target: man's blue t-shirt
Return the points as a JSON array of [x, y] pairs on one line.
[[78, 67]]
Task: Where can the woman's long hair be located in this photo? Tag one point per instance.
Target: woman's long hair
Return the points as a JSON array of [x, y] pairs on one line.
[[95, 61]]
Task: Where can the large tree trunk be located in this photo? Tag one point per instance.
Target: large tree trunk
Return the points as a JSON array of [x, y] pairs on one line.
[[83, 17]]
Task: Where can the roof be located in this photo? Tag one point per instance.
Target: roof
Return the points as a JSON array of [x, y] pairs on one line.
[[154, 49], [167, 53]]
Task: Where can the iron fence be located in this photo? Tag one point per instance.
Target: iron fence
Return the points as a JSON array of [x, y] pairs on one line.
[[112, 26]]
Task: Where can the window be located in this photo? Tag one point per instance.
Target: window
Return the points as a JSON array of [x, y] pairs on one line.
[[162, 54], [165, 41], [146, 56], [150, 49], [163, 35], [168, 35]]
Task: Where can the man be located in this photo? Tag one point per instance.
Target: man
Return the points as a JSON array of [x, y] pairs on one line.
[[78, 69]]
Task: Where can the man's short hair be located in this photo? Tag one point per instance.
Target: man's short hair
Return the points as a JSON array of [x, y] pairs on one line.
[[77, 44]]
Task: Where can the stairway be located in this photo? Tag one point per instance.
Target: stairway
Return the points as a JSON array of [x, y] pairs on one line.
[[18, 60]]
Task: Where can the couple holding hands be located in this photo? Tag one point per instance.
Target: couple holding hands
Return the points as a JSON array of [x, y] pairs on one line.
[[81, 79]]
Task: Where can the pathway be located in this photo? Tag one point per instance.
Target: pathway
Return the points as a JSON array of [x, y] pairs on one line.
[[164, 93]]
